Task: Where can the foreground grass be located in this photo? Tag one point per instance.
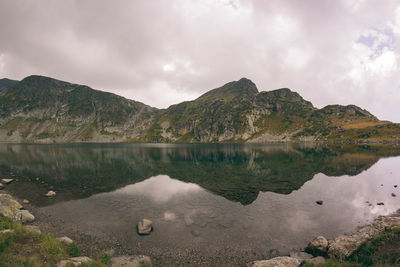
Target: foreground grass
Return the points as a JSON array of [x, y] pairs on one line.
[[24, 248], [382, 251]]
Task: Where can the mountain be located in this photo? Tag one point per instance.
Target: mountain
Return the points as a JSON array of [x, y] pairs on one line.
[[42, 109]]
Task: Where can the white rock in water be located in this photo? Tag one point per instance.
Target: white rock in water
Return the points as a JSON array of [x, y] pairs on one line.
[[25, 201], [50, 194], [26, 216], [65, 239], [6, 181], [277, 262], [130, 261], [144, 227]]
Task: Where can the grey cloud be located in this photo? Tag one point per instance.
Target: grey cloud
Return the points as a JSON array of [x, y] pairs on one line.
[[162, 52]]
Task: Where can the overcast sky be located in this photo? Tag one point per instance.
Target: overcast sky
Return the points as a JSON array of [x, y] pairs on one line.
[[165, 52]]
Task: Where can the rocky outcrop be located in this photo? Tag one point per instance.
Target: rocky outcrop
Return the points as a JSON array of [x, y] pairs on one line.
[[131, 261], [344, 245], [65, 240], [10, 208], [277, 262]]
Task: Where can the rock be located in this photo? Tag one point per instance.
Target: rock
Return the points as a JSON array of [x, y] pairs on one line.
[[77, 261], [25, 201], [316, 260], [300, 255], [145, 227], [1, 186], [393, 195], [10, 208], [195, 232], [6, 231], [344, 245], [32, 228], [319, 202], [380, 203], [318, 246], [26, 216], [65, 239], [50, 194], [277, 262], [130, 261], [6, 181], [395, 185]]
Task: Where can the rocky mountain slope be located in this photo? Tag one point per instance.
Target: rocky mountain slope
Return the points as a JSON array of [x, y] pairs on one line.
[[42, 109]]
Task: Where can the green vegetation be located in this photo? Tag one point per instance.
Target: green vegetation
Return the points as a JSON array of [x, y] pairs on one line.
[[24, 248], [381, 251]]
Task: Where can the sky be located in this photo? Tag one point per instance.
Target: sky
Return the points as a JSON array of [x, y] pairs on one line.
[[162, 52]]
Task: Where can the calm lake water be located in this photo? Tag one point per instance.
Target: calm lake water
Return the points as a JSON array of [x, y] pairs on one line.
[[252, 200]]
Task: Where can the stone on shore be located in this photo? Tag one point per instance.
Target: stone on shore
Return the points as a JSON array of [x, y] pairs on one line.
[[32, 228], [318, 246], [65, 239], [26, 216], [130, 261], [77, 261], [145, 227], [277, 262], [6, 181], [50, 194], [343, 246]]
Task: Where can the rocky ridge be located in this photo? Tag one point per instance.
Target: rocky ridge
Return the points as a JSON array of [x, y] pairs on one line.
[[44, 110]]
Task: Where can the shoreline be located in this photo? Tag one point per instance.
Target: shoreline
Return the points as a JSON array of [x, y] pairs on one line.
[[339, 247]]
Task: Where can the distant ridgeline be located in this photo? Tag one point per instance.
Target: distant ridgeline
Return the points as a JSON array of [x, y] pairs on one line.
[[44, 110]]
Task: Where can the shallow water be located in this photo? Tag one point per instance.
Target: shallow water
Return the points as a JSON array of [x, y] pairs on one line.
[[206, 198]]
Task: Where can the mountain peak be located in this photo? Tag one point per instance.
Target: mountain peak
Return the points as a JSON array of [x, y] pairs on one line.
[[243, 87]]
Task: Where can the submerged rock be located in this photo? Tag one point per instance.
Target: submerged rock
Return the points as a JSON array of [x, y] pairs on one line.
[[318, 246], [50, 194], [6, 181], [145, 227], [131, 261], [393, 195], [25, 201], [319, 202], [380, 204], [277, 262]]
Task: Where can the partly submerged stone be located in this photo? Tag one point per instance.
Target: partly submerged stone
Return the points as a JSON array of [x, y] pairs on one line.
[[145, 227], [25, 201], [300, 255], [318, 246], [50, 194], [130, 261], [277, 262]]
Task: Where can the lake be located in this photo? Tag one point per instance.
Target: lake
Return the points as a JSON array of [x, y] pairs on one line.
[[211, 204]]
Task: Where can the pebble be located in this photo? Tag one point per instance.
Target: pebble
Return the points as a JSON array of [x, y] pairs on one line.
[[380, 204], [393, 195], [6, 181], [50, 194], [319, 202], [25, 201]]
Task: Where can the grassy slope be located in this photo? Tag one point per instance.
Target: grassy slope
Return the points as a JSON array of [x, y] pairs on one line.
[[24, 248]]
